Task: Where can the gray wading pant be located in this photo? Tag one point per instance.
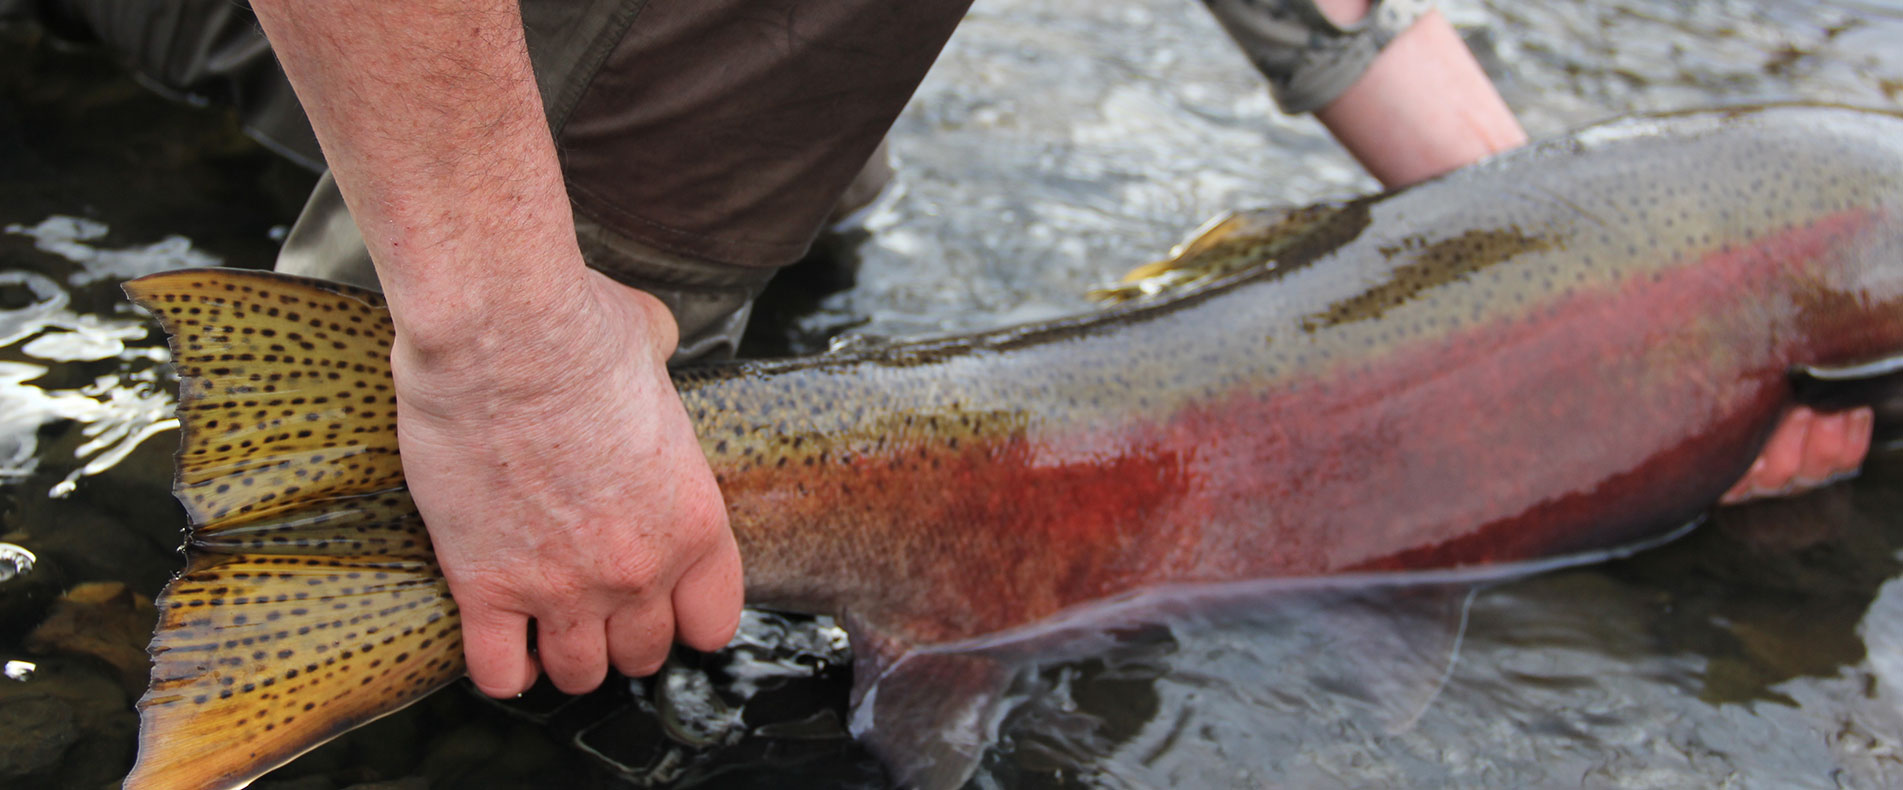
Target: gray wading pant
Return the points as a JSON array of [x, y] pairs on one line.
[[704, 142]]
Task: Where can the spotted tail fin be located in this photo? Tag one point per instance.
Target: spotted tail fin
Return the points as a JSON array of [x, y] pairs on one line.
[[311, 602]]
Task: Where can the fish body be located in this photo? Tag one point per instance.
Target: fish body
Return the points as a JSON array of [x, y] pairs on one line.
[[1568, 347], [1574, 346]]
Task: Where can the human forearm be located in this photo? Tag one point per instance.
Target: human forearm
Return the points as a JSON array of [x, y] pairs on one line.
[[1423, 108], [431, 122]]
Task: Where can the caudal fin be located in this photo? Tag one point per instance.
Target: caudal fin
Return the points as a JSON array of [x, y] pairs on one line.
[[311, 602]]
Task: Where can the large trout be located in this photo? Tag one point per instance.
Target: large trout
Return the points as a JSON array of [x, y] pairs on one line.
[[1574, 346]]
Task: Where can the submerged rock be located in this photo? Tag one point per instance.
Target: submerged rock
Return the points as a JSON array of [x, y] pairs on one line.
[[66, 726], [106, 621], [28, 586], [37, 732]]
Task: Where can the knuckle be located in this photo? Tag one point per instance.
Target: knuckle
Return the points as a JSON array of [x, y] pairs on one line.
[[714, 537], [704, 514], [473, 588], [552, 591], [486, 614], [631, 572]]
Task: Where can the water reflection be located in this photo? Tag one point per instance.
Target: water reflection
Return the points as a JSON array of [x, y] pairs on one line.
[[15, 561], [72, 238], [1739, 651], [117, 410], [18, 670]]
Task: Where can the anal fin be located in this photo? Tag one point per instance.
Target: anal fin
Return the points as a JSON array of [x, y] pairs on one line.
[[931, 716]]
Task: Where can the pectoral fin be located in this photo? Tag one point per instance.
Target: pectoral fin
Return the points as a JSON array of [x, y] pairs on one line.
[[928, 716], [1394, 648], [1383, 650]]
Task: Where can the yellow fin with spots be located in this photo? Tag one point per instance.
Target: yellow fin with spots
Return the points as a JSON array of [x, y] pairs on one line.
[[1226, 245], [311, 602]]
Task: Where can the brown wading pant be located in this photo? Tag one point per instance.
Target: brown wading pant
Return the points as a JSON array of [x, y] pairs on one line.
[[704, 142]]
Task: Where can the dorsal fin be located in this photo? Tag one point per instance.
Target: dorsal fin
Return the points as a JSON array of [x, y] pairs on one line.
[[311, 602], [1225, 245]]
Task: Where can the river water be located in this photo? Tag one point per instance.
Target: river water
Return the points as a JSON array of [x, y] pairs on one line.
[[1057, 144]]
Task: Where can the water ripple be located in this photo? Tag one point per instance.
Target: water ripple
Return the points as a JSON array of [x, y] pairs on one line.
[[117, 409]]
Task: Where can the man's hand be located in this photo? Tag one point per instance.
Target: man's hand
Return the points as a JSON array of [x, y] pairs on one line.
[[543, 442], [1807, 450], [562, 483]]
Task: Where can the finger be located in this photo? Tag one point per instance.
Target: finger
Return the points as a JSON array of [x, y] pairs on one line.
[[640, 638], [1824, 448], [1776, 462], [1784, 454], [1742, 490], [574, 652], [1863, 421], [495, 644], [707, 600]]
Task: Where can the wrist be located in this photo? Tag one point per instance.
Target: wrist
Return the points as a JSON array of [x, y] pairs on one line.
[[1423, 108], [441, 301], [529, 338]]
